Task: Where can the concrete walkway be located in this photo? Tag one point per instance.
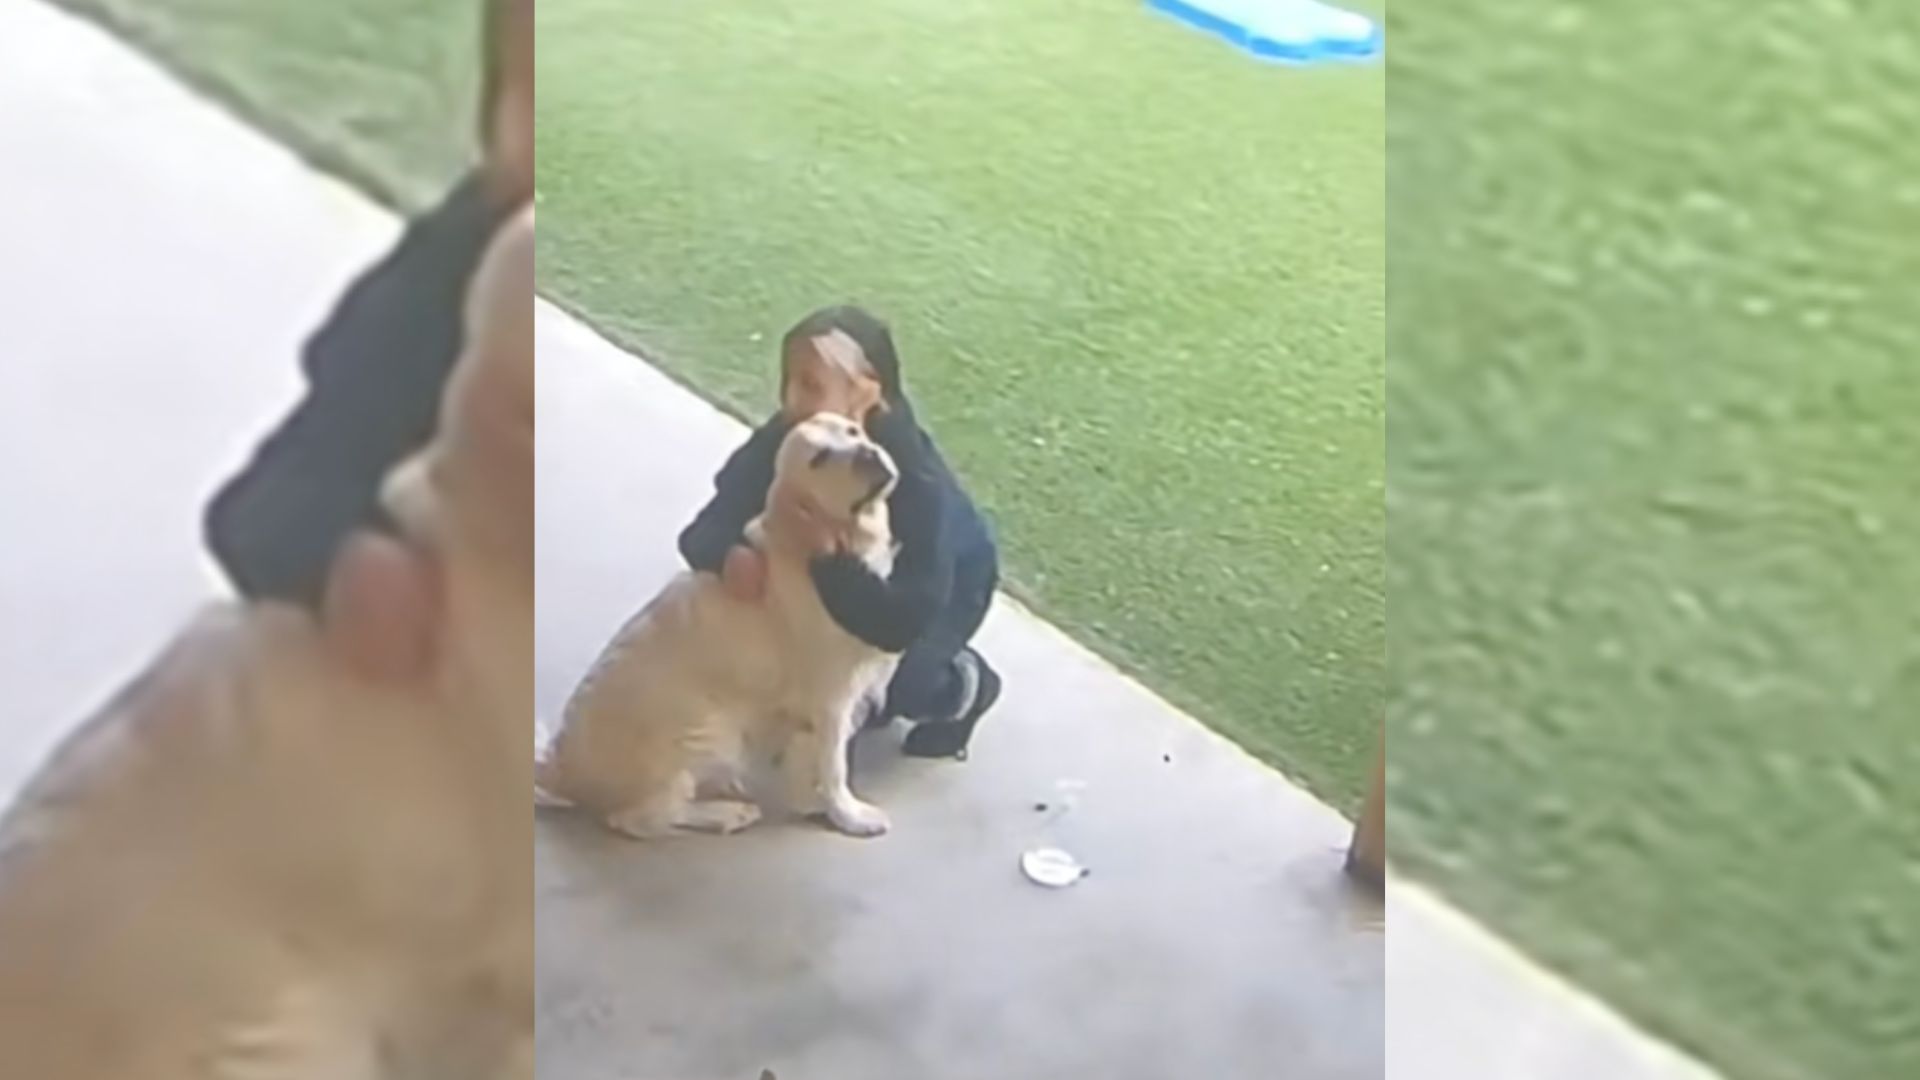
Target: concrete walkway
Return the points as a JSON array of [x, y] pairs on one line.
[[161, 263], [1215, 938], [159, 266]]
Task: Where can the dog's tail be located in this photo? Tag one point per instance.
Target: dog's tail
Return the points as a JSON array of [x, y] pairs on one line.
[[546, 774]]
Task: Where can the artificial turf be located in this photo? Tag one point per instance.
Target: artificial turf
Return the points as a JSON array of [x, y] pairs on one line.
[[1653, 465], [1137, 279]]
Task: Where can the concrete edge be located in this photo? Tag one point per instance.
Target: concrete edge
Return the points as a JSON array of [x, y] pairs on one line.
[[231, 97], [95, 32], [1663, 1060], [1663, 1057]]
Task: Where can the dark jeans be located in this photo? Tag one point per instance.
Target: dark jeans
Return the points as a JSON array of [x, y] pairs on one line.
[[375, 371], [926, 686]]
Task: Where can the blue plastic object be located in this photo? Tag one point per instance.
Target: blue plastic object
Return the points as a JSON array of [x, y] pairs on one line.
[[1281, 31]]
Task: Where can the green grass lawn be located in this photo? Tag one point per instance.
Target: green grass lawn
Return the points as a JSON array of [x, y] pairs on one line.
[[1137, 280], [1652, 487]]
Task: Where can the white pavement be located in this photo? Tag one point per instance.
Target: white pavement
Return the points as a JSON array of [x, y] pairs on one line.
[[160, 263]]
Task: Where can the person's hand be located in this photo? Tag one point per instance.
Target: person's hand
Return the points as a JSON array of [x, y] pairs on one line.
[[381, 607], [744, 574]]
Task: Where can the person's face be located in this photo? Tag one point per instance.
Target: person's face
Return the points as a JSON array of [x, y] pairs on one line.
[[829, 374]]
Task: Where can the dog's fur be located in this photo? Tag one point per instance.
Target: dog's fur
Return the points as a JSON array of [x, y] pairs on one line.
[[660, 735], [254, 864]]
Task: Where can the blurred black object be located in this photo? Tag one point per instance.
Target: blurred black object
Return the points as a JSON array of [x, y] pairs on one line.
[[375, 371]]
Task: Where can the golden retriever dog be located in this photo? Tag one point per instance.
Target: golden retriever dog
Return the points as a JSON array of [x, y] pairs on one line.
[[255, 864], [660, 735]]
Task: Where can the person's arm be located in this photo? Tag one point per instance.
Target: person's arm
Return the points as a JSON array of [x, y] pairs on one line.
[[892, 613], [375, 371], [739, 495]]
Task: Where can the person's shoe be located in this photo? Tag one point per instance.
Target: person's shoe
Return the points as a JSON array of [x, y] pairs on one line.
[[949, 738]]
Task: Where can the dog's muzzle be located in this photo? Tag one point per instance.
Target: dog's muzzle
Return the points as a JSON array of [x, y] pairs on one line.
[[872, 463]]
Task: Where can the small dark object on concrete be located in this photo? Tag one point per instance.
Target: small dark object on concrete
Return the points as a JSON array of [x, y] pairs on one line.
[[1039, 808], [767, 1074], [1168, 758]]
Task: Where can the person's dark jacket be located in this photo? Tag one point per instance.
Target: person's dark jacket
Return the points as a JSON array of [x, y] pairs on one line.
[[934, 521], [375, 372]]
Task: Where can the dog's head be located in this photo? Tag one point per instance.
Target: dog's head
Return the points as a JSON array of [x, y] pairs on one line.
[[828, 465]]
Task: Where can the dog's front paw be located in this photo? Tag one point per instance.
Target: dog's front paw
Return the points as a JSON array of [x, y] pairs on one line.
[[723, 816], [856, 818], [732, 816]]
